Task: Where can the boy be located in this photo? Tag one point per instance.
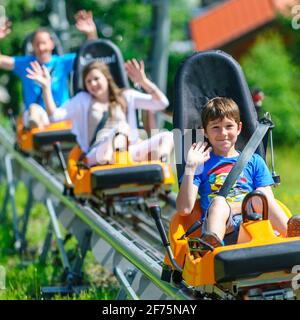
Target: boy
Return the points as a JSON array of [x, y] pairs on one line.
[[207, 168], [59, 66]]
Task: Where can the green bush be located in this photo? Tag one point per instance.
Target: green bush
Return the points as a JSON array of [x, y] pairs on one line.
[[269, 66], [25, 19]]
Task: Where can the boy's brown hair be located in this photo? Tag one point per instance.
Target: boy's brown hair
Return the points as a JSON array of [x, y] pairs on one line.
[[220, 108], [41, 30]]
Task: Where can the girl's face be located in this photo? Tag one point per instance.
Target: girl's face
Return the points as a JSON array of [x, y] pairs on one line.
[[97, 84]]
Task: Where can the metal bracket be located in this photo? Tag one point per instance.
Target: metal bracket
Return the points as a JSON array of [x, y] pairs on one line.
[[125, 280]]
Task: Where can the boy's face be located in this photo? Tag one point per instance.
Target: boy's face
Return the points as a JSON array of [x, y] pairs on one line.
[[222, 135], [43, 46]]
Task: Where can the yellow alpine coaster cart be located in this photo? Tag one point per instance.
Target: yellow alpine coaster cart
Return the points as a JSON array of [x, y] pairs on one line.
[[125, 184], [38, 142], [260, 264]]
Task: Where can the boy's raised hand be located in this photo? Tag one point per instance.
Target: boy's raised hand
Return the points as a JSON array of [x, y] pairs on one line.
[[5, 28], [85, 23], [39, 73], [197, 155]]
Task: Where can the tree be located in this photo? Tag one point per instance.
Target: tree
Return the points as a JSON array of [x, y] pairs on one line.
[[26, 18], [125, 22], [269, 66]]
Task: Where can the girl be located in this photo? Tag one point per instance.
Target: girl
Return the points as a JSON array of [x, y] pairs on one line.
[[102, 98]]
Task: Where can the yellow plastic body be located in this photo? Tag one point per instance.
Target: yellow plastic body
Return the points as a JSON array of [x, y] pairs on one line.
[[200, 270], [25, 137], [81, 177]]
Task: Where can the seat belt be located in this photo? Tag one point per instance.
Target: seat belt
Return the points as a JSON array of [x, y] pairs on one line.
[[246, 155], [264, 125], [100, 126]]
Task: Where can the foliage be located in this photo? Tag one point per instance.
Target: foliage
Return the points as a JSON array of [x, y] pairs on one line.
[[269, 66], [175, 59], [290, 35], [286, 162], [25, 276], [125, 22], [26, 19]]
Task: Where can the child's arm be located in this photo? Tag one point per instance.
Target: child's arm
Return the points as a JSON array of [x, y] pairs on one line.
[[41, 75], [6, 62], [187, 195], [85, 23], [277, 216], [136, 73]]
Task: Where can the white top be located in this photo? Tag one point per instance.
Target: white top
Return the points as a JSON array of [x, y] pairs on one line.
[[77, 110]]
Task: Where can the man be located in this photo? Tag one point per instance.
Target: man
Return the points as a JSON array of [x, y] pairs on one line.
[[59, 67]]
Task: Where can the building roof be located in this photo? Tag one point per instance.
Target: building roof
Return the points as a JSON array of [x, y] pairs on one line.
[[232, 19]]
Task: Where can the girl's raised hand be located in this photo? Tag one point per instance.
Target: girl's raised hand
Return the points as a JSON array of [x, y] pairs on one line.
[[136, 71]]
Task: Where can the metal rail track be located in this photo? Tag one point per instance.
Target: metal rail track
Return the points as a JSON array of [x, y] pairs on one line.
[[135, 256]]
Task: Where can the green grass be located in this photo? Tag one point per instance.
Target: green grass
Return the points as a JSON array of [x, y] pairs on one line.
[[287, 164], [25, 276]]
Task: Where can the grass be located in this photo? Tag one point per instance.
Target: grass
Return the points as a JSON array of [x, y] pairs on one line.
[[287, 160], [25, 276]]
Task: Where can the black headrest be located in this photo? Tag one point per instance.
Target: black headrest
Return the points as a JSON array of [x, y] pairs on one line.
[[201, 77], [104, 51], [27, 45]]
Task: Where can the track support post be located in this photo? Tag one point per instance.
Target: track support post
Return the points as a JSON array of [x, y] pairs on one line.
[[125, 280], [71, 276], [12, 198]]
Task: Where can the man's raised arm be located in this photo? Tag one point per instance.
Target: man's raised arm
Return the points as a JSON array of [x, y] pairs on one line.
[[6, 62]]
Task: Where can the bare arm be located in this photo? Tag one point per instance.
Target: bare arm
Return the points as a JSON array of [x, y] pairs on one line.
[[6, 62], [85, 23], [187, 195], [277, 216], [41, 75], [136, 73]]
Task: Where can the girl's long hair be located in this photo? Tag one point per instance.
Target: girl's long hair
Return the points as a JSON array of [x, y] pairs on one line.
[[115, 93]]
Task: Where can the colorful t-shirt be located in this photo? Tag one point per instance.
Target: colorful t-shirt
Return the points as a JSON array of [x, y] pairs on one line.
[[210, 178], [59, 67]]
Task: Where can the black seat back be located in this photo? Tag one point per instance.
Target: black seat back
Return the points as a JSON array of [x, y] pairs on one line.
[[102, 50], [201, 77], [27, 45]]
